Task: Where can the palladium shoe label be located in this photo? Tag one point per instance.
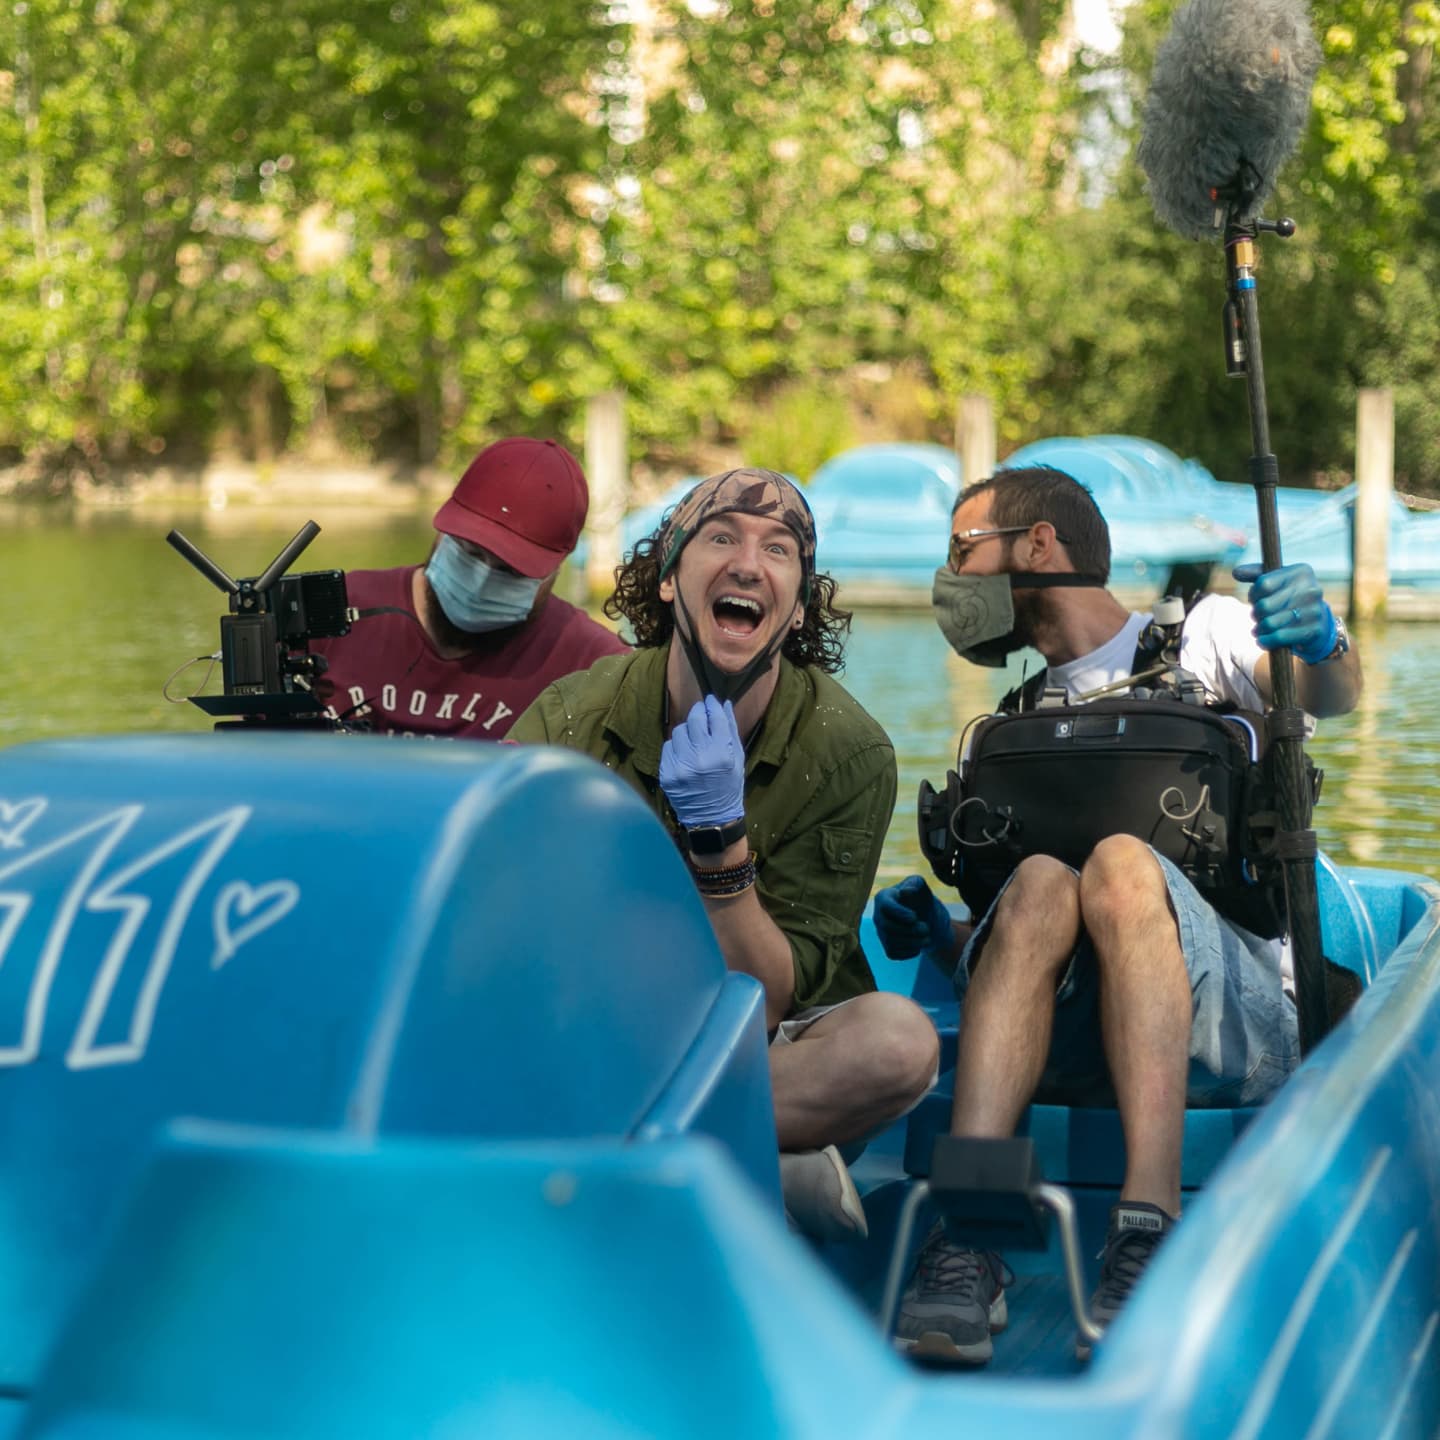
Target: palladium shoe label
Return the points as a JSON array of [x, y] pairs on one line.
[[1128, 1219]]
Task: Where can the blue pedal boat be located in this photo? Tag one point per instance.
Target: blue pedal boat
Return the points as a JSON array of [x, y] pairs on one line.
[[882, 513], [1324, 534], [1127, 475], [360, 1088], [1162, 511]]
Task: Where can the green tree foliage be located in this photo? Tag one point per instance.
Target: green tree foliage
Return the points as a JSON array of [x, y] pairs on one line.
[[307, 199], [821, 187], [1349, 302], [411, 226]]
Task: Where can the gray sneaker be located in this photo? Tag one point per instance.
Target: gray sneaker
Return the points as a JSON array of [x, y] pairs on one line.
[[1136, 1231], [821, 1201], [954, 1302]]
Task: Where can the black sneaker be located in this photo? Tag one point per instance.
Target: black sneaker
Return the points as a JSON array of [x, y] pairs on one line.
[[954, 1302], [1136, 1231]]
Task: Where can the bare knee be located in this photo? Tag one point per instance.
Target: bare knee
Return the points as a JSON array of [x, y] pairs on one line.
[[1037, 919], [1121, 876], [1121, 883], [896, 1045]]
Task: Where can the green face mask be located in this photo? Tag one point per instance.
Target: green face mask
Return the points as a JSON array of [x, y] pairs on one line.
[[976, 613]]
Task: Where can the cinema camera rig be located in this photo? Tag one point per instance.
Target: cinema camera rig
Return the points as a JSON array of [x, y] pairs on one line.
[[264, 661]]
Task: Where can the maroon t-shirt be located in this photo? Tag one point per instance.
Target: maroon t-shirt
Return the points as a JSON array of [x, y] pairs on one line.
[[389, 662]]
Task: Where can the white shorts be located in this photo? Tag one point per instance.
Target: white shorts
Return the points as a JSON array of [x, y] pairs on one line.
[[789, 1031]]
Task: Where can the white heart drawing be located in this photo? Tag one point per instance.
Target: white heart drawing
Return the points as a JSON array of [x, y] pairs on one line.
[[256, 907], [17, 818]]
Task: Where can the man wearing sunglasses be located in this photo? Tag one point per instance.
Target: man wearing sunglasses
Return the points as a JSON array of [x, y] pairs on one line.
[[1115, 982]]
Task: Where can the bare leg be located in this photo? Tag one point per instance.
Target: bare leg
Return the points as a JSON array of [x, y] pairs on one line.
[[1145, 1011], [1009, 1007], [852, 1072]]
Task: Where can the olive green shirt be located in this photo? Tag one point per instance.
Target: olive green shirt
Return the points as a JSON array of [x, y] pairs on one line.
[[819, 791]]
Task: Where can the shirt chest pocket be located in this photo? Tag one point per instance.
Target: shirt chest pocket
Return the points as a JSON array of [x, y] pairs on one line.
[[845, 849]]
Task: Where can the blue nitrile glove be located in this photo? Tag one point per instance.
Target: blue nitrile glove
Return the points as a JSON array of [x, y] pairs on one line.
[[909, 918], [1290, 611], [702, 766]]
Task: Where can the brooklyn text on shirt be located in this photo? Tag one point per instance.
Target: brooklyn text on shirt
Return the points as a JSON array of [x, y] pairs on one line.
[[422, 703], [98, 898]]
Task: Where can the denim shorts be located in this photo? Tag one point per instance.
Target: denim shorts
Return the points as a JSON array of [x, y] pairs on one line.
[[1244, 1036]]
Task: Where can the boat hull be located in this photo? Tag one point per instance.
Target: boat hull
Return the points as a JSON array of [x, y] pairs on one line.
[[451, 1175]]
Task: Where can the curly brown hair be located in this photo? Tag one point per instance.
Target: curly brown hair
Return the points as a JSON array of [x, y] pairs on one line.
[[820, 640]]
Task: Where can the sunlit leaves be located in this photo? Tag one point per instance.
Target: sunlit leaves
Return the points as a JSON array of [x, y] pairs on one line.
[[408, 225]]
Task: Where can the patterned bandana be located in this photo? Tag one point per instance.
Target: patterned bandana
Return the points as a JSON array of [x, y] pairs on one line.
[[750, 492]]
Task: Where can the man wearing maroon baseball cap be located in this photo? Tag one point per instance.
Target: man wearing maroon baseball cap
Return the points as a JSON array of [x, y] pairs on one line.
[[522, 500], [459, 646]]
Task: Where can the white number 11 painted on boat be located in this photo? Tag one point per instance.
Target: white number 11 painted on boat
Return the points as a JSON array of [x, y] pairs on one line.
[[241, 912]]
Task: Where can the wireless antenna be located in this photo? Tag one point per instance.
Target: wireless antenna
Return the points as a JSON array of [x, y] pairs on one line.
[[203, 563], [272, 572]]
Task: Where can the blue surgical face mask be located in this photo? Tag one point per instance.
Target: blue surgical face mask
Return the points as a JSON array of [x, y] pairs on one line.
[[475, 596]]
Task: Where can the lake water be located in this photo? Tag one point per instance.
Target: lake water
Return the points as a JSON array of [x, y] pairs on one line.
[[96, 611]]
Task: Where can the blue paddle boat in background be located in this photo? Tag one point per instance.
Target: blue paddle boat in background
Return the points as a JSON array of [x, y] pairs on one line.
[[882, 511], [354, 1088], [1127, 475]]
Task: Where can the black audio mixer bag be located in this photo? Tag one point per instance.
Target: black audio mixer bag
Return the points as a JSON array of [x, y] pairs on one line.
[[1056, 780]]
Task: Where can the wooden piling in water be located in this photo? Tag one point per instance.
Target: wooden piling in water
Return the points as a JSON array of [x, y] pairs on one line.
[[607, 469], [975, 439], [1375, 490]]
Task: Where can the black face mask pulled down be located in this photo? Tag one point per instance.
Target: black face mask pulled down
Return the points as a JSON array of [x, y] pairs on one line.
[[711, 679], [976, 613]]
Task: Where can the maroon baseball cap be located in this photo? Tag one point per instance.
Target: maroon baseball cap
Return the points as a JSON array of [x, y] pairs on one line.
[[523, 500]]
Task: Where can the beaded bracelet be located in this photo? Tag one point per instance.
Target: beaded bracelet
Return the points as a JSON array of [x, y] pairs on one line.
[[723, 872], [732, 880]]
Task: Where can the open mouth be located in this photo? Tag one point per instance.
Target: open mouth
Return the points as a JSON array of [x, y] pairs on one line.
[[737, 615]]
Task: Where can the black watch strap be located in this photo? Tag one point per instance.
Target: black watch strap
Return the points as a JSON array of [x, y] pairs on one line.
[[713, 839]]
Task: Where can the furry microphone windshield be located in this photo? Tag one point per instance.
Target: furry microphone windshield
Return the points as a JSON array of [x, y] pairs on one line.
[[1228, 100]]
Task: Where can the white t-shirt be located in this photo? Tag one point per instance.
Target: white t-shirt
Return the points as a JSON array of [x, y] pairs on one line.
[[1216, 646]]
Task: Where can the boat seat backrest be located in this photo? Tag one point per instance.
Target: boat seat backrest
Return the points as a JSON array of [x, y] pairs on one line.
[[523, 1289], [329, 933]]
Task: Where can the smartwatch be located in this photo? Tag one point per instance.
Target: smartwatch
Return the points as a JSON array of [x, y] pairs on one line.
[[713, 839]]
